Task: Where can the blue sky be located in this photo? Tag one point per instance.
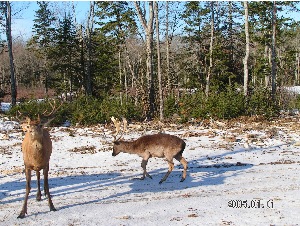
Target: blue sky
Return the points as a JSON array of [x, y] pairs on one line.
[[22, 21]]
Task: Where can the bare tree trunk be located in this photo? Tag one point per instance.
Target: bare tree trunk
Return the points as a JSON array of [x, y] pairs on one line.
[[125, 84], [230, 33], [82, 60], [159, 74], [274, 66], [268, 58], [134, 77], [210, 49], [168, 48], [90, 24], [245, 61], [2, 79], [10, 51], [148, 27], [120, 77], [297, 71]]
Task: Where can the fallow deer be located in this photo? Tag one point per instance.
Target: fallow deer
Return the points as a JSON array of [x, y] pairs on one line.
[[37, 149], [156, 145]]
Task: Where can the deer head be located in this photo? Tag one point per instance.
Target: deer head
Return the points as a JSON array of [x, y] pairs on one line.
[[36, 126]]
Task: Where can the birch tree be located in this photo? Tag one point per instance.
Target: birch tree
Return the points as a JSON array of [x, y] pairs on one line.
[[148, 29], [159, 73], [246, 58], [208, 77], [89, 31], [167, 48], [273, 60]]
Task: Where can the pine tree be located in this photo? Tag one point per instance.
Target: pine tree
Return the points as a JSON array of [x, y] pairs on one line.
[[67, 54], [261, 16], [42, 39], [197, 19], [116, 21]]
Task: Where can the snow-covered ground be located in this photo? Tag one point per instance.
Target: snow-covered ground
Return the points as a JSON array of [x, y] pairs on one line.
[[243, 173], [5, 106]]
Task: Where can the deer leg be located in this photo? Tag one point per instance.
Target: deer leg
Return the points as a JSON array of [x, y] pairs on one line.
[[38, 194], [185, 166], [145, 173], [46, 189], [171, 167], [28, 180]]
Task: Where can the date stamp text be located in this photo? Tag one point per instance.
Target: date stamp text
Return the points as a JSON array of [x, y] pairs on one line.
[[251, 204]]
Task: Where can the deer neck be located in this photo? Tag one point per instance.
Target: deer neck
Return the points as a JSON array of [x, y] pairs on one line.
[[128, 147], [37, 142]]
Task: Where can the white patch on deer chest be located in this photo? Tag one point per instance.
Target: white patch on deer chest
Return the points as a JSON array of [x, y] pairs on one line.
[[36, 145]]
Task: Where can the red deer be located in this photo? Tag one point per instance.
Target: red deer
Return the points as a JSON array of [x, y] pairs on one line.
[[156, 145], [37, 149]]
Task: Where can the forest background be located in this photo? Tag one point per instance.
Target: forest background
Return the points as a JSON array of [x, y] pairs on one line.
[[175, 61]]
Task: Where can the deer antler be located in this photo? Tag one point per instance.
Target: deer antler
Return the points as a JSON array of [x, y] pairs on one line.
[[23, 122], [117, 124], [45, 118], [48, 117], [53, 111], [18, 115], [125, 125]]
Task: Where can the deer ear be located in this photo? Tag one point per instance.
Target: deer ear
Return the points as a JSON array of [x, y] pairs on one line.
[[25, 125], [28, 120]]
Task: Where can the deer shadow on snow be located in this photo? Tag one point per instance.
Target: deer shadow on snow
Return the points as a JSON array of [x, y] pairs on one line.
[[198, 175]]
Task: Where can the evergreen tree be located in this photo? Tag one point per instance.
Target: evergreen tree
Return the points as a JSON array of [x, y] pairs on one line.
[[196, 18], [225, 67], [261, 30], [116, 21], [42, 39], [66, 52], [104, 65]]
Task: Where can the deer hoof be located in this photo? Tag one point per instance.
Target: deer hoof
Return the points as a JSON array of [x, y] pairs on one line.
[[21, 216]]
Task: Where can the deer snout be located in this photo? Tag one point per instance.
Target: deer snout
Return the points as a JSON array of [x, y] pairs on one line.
[[115, 153]]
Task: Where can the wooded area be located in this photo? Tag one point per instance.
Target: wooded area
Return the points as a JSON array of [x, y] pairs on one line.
[[161, 57]]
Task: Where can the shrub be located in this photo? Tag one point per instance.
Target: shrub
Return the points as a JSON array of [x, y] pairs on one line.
[[260, 103], [89, 110], [33, 108], [85, 110], [170, 106], [225, 104]]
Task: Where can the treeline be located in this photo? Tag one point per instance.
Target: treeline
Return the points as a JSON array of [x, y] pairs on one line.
[[158, 59]]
